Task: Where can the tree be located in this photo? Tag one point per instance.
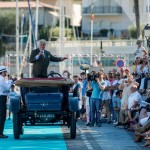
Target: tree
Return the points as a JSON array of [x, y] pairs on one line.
[[7, 23], [137, 17]]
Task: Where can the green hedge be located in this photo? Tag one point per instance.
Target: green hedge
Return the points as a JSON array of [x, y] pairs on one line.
[[54, 32]]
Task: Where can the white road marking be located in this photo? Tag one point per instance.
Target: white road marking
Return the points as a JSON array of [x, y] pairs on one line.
[[87, 143]]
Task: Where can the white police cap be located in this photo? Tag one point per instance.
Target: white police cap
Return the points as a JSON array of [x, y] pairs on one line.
[[3, 69]]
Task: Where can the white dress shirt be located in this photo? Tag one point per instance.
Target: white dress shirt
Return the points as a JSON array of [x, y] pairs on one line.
[[106, 94], [4, 86], [37, 56]]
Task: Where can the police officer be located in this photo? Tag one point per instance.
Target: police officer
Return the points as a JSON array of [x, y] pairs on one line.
[[4, 90]]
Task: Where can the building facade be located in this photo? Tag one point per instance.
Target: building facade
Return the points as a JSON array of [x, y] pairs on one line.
[[45, 14], [112, 17]]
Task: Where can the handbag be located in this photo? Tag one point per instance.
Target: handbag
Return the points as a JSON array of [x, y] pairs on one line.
[[89, 93], [82, 110]]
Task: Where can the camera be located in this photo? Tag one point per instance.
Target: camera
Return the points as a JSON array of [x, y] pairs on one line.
[[92, 77]]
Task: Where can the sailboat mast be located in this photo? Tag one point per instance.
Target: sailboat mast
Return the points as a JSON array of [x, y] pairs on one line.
[[61, 29], [17, 39]]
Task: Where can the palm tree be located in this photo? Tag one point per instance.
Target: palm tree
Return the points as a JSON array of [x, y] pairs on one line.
[[137, 17]]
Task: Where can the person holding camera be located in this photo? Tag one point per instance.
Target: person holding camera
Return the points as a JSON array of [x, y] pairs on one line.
[[126, 87], [96, 83]]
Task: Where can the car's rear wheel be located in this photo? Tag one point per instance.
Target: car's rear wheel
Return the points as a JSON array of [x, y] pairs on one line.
[[17, 125], [73, 125]]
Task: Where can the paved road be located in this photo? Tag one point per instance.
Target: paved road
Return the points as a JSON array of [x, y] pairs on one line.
[[57, 138]]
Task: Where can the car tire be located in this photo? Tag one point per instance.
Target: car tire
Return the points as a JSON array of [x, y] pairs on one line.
[[73, 125], [21, 130], [16, 125]]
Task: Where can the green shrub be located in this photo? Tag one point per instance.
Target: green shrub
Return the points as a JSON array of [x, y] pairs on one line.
[[103, 32], [54, 32], [44, 33]]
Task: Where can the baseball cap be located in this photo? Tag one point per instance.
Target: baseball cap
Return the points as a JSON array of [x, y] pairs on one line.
[[126, 69], [3, 69]]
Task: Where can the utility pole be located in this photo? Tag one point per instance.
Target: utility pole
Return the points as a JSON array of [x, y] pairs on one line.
[[36, 22], [17, 39], [61, 30], [30, 45], [21, 45], [92, 20]]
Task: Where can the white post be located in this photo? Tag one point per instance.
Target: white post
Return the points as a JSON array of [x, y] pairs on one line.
[[30, 45], [21, 45], [61, 30], [72, 67], [92, 20], [36, 22], [17, 39], [9, 63], [148, 11]]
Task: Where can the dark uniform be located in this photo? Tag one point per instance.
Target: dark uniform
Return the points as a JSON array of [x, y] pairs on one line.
[[4, 90], [40, 65]]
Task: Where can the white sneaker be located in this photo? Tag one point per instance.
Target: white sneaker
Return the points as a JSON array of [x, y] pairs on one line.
[[115, 123]]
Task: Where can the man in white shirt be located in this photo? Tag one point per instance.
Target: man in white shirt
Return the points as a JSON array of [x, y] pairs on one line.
[[4, 90], [134, 101], [135, 98], [140, 51]]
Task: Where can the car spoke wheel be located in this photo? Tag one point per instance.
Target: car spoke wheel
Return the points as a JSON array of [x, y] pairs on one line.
[[73, 125]]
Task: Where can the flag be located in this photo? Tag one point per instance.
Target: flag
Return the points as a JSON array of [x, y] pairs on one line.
[[92, 13], [22, 20], [92, 16]]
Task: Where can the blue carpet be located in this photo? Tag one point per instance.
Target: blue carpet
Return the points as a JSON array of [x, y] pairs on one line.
[[34, 137]]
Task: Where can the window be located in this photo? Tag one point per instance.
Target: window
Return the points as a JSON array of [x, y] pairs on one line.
[[147, 9]]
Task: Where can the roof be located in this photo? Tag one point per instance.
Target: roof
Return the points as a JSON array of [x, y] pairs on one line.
[[25, 5]]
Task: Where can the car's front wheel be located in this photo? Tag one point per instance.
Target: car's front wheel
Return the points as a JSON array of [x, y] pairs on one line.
[[73, 125]]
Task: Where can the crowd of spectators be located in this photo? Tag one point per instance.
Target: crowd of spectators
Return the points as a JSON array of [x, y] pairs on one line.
[[124, 94]]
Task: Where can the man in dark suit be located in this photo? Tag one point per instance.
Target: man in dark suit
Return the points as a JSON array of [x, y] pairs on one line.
[[40, 59]]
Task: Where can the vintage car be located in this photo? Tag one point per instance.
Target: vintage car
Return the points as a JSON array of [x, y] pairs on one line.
[[44, 101]]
